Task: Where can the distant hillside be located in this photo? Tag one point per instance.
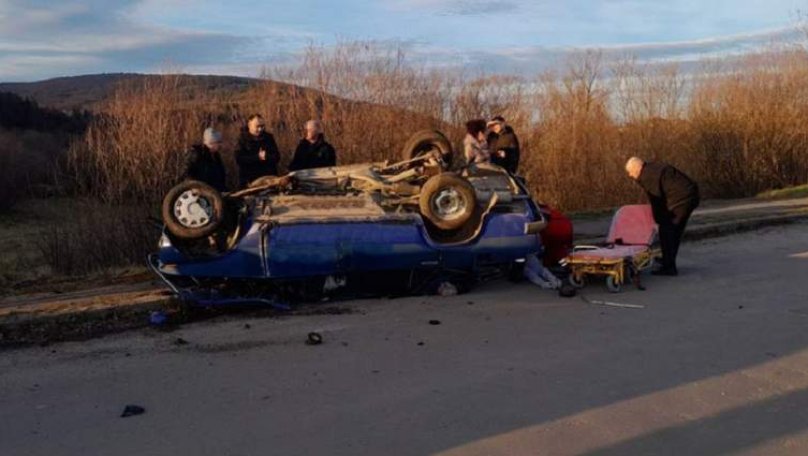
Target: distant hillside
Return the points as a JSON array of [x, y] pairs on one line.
[[25, 114], [83, 92]]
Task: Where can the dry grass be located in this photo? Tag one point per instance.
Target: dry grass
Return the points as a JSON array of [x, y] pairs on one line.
[[48, 240]]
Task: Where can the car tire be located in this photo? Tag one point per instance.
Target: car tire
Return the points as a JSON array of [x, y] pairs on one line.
[[193, 210], [427, 141], [448, 201]]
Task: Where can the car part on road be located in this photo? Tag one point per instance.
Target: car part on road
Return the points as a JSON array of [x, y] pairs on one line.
[[314, 338], [132, 410], [192, 210]]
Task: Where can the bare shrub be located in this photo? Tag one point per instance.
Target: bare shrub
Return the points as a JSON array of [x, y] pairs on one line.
[[749, 125], [737, 130], [28, 164], [134, 150], [87, 237]]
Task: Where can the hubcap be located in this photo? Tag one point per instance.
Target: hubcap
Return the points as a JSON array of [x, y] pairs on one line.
[[192, 210], [448, 204]]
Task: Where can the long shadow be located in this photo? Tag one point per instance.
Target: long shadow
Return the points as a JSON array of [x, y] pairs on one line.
[[720, 316], [727, 432]]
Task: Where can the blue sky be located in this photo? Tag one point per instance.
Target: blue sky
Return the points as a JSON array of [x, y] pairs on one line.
[[47, 38]]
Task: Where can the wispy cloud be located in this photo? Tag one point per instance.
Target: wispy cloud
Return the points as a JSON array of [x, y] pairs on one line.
[[45, 38]]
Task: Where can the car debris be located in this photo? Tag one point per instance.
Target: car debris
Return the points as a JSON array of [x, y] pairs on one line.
[[132, 410], [314, 338]]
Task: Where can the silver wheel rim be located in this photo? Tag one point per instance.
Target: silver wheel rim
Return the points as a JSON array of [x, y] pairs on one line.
[[448, 204], [192, 210]]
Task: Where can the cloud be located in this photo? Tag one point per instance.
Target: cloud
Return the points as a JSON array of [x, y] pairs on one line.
[[528, 60], [47, 39], [15, 67], [461, 7], [523, 36]]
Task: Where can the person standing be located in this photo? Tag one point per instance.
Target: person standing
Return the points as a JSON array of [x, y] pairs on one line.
[[503, 144], [203, 162], [475, 147], [313, 151], [257, 153], [673, 197]]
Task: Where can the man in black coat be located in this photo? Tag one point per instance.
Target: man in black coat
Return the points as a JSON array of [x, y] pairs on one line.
[[313, 151], [257, 153], [673, 197], [503, 144], [203, 162]]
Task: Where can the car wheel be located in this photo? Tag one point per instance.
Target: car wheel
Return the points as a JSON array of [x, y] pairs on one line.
[[192, 210], [448, 201], [428, 142]]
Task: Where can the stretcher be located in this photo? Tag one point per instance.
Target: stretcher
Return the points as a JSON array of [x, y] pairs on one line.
[[630, 248]]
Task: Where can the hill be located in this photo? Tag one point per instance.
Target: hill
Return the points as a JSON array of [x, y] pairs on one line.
[[86, 91]]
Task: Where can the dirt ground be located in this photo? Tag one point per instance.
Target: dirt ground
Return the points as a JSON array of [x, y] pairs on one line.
[[713, 361]]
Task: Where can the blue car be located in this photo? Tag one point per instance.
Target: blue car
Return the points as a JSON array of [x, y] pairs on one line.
[[374, 228]]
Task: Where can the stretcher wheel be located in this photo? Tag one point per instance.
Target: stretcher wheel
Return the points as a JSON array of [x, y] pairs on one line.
[[612, 285], [577, 282]]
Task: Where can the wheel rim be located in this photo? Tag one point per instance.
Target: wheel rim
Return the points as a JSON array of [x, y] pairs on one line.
[[192, 210], [448, 204]]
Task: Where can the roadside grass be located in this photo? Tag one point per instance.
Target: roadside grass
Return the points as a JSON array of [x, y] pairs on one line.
[[799, 191], [41, 236]]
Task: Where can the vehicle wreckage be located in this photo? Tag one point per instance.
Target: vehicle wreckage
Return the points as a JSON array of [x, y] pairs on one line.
[[364, 229]]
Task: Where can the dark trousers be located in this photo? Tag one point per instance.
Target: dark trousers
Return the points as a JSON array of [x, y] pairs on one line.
[[671, 228]]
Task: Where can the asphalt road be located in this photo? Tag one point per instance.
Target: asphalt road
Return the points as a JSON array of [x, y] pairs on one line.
[[715, 362]]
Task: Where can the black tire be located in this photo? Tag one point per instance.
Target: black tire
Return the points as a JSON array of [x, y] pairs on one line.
[[452, 193], [427, 141], [204, 226]]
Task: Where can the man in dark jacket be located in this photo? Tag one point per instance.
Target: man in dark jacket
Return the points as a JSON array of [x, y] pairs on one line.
[[503, 144], [204, 163], [673, 197], [257, 153], [313, 151]]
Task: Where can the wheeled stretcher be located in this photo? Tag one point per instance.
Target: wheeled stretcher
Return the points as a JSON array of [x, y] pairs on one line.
[[629, 249]]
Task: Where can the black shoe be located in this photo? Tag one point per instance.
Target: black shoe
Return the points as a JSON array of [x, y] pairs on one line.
[[665, 272]]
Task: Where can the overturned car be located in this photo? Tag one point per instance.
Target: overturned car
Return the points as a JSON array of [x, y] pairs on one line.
[[376, 228]]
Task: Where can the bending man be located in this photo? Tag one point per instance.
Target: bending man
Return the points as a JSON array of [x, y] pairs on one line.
[[673, 197]]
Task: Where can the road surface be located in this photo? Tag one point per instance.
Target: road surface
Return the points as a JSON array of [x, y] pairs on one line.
[[716, 361]]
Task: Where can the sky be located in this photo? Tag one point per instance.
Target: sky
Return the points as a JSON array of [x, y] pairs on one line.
[[41, 39]]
